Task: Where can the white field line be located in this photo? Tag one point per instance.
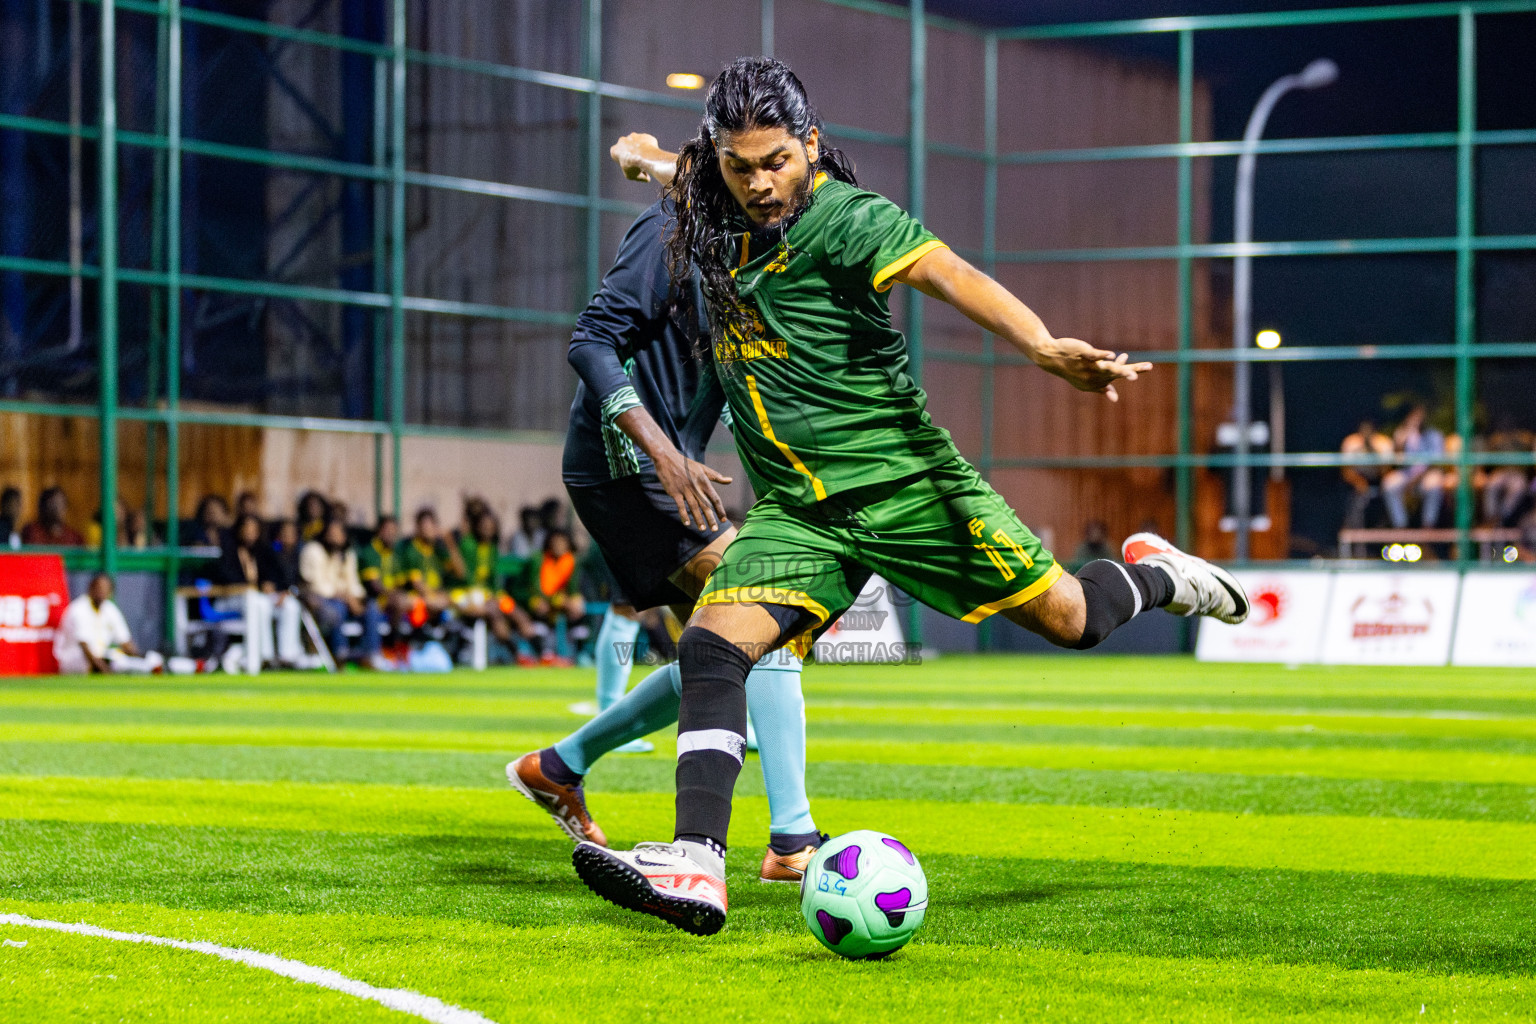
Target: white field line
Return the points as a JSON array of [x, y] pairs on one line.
[[402, 999]]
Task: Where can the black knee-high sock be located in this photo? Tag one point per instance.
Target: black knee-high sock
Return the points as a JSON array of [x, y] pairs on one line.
[[711, 733], [1116, 593]]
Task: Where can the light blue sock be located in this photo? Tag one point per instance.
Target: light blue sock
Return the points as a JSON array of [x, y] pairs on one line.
[[777, 708], [651, 705], [615, 656]]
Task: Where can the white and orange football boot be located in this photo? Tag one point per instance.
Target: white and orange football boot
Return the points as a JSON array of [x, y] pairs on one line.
[[660, 879], [1199, 587]]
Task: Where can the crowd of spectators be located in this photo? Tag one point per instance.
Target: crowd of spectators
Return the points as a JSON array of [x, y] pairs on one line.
[[1413, 480], [363, 585]]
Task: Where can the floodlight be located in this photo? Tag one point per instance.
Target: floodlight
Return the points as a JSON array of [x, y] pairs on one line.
[[1319, 73]]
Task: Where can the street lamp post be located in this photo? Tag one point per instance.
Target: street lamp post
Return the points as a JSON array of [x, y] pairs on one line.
[[1315, 75]]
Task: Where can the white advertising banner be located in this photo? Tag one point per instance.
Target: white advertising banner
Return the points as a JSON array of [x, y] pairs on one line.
[[1391, 618], [1497, 622], [870, 631], [1284, 625]]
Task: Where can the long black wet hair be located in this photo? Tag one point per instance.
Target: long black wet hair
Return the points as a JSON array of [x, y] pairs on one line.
[[752, 92]]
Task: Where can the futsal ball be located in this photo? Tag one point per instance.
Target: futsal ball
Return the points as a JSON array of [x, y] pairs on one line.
[[864, 895]]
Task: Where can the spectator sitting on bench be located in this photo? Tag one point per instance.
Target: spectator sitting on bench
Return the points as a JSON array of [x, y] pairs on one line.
[[248, 560], [528, 540], [482, 596], [1364, 481], [93, 636], [247, 504], [474, 507], [334, 592], [1505, 487], [553, 588], [210, 527], [10, 518], [136, 526], [283, 535], [430, 567], [93, 528], [1421, 443], [377, 566], [49, 527], [311, 513]]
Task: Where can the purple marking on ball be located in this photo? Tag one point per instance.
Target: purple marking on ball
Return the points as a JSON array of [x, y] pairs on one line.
[[895, 844], [846, 863], [894, 905], [834, 928]]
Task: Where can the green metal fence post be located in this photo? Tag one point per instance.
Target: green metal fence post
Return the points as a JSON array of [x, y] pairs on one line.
[[989, 264], [1184, 474], [381, 275], [989, 240], [156, 338], [107, 345], [917, 167], [173, 74], [397, 251], [592, 67], [1466, 298]]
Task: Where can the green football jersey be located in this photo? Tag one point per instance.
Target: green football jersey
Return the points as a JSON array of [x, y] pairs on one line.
[[376, 564], [821, 394], [480, 560], [428, 566]]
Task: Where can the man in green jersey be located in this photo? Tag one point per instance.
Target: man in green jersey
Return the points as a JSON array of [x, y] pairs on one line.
[[851, 475], [428, 566]]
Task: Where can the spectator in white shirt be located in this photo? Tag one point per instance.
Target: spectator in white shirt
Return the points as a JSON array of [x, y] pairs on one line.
[[93, 636], [334, 592]]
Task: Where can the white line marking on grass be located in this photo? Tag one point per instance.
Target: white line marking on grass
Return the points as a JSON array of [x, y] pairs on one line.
[[402, 999]]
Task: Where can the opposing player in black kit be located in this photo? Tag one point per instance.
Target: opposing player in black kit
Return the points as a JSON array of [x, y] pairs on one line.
[[633, 465]]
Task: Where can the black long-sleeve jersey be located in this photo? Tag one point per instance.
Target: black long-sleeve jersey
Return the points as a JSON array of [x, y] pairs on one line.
[[633, 345]]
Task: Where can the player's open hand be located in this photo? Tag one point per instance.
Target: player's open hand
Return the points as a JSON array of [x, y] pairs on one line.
[[692, 485], [1087, 368], [634, 154]]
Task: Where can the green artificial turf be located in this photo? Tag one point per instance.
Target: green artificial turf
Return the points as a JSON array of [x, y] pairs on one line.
[[1105, 840]]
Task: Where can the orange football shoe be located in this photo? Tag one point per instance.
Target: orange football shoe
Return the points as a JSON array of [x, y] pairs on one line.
[[785, 867], [566, 804]]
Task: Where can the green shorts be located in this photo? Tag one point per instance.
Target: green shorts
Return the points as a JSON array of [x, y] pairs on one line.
[[945, 537]]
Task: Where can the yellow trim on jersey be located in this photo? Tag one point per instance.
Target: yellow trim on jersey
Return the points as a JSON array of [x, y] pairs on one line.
[[1024, 596], [819, 180], [884, 274], [794, 460], [746, 237]]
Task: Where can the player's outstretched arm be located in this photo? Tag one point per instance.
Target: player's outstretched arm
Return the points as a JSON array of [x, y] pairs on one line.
[[691, 484], [642, 158], [943, 275]]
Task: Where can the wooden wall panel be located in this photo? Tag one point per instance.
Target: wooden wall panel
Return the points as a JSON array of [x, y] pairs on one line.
[[37, 452], [1059, 96]]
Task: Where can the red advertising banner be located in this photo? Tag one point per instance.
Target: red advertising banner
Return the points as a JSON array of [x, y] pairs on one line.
[[33, 593]]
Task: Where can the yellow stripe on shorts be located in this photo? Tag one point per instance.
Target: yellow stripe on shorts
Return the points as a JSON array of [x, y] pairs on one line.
[[1024, 596], [800, 645]]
